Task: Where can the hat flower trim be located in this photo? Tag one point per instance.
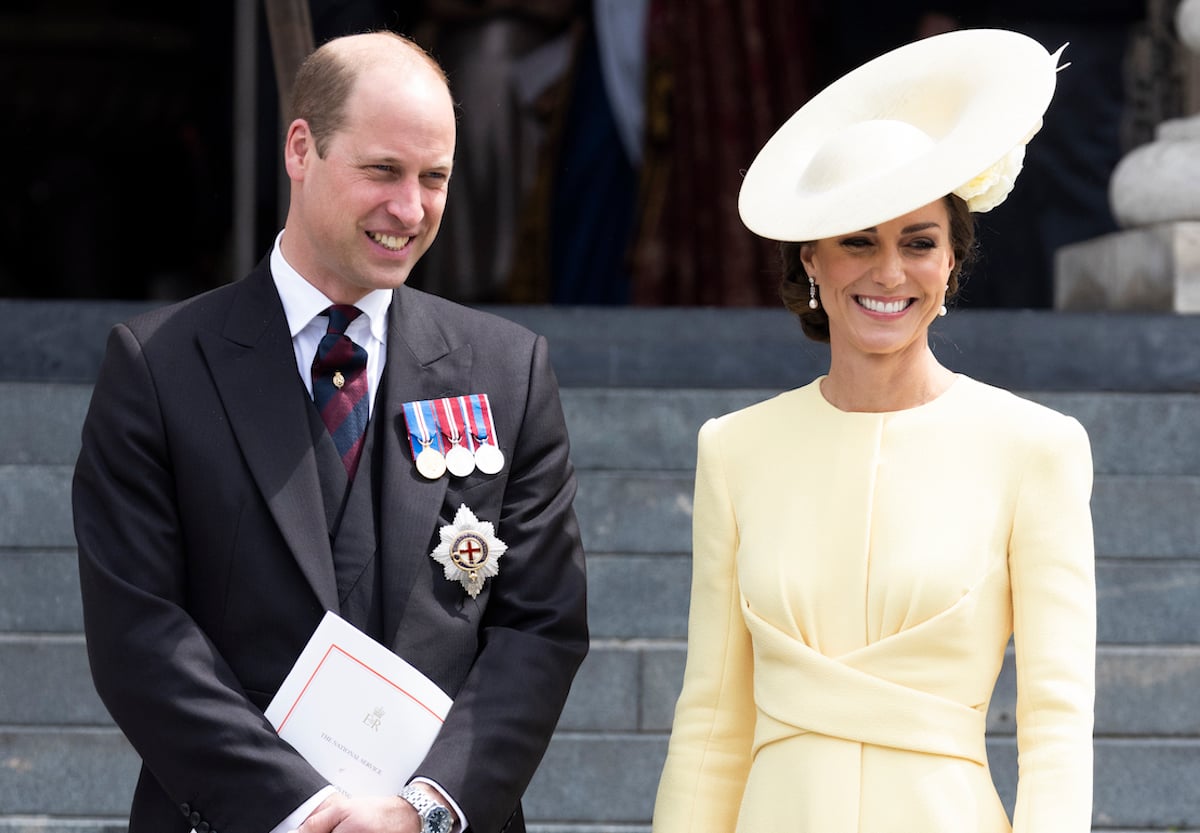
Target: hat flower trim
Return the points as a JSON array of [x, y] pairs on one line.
[[990, 188], [987, 190]]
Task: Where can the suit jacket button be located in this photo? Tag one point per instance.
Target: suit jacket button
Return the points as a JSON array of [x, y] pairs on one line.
[[202, 827], [194, 819], [185, 808]]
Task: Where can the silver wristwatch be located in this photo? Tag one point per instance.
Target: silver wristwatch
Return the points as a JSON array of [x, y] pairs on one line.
[[435, 818]]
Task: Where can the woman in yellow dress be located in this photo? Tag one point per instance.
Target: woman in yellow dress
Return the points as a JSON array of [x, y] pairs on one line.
[[865, 546]]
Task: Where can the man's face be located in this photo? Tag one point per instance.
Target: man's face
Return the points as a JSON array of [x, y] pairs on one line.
[[362, 215]]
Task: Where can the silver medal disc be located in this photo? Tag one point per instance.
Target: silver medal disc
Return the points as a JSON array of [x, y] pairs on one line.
[[459, 461], [489, 458], [431, 464]]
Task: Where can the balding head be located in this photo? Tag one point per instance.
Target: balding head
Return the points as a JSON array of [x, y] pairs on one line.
[[326, 79]]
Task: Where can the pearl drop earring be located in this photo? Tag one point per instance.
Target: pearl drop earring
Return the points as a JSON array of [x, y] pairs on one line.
[[942, 310], [813, 303]]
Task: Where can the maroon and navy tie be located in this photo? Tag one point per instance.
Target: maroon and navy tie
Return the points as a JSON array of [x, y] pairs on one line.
[[339, 374]]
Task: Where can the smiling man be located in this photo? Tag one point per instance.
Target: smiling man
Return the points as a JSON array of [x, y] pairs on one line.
[[304, 440]]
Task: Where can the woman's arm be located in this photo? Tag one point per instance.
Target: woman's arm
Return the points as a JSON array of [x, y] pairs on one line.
[[709, 754], [1052, 567]]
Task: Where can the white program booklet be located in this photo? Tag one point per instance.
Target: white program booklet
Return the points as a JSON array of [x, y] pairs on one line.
[[362, 716]]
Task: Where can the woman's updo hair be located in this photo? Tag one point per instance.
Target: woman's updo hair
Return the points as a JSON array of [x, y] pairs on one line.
[[815, 322]]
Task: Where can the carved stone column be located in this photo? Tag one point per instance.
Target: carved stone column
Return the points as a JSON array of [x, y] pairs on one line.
[[1154, 262]]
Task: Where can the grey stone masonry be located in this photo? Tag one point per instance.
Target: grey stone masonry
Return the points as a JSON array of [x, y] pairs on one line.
[[633, 417], [1154, 262], [1154, 267]]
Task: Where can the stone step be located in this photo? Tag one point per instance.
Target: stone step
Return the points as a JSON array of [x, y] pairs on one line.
[[630, 429], [1141, 601], [41, 422], [764, 348], [727, 348], [66, 771], [1144, 783], [39, 591], [47, 682], [655, 430], [1140, 691], [632, 686], [650, 512], [48, 824], [1147, 516], [35, 506]]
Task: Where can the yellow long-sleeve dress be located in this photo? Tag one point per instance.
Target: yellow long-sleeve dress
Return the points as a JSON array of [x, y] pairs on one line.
[[856, 578]]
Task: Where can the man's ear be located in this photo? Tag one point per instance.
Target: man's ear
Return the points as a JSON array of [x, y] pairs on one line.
[[298, 147]]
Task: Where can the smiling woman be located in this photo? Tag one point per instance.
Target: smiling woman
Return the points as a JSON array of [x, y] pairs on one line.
[[800, 297], [839, 683], [882, 287]]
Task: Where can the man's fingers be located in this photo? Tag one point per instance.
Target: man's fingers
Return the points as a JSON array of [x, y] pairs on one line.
[[339, 814], [326, 817]]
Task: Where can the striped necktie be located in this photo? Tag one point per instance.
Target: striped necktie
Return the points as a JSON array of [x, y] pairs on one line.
[[339, 375]]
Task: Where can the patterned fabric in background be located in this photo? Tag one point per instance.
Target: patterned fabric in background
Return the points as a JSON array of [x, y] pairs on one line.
[[721, 78]]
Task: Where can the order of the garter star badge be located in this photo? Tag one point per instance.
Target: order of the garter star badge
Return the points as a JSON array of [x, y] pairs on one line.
[[470, 551]]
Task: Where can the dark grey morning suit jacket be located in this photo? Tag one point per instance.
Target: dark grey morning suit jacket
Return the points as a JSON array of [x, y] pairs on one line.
[[206, 559]]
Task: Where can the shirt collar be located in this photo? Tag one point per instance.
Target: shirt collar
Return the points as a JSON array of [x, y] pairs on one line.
[[302, 302]]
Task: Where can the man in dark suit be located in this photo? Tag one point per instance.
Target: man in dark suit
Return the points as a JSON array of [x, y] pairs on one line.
[[218, 517]]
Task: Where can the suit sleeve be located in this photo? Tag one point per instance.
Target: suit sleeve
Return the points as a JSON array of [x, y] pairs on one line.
[[534, 630], [165, 684], [1052, 568], [708, 757]]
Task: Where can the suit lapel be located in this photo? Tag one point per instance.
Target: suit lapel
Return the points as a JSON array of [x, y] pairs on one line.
[[420, 365], [254, 367]]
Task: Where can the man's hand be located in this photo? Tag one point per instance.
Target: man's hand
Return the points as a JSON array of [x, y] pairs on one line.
[[339, 814]]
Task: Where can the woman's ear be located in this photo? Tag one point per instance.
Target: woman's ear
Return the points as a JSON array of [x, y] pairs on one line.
[[807, 251]]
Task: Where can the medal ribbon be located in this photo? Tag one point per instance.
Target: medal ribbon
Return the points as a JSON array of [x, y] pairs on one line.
[[481, 410], [419, 416], [463, 409], [450, 427]]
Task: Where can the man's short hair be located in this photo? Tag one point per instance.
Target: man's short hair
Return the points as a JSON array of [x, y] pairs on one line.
[[324, 83]]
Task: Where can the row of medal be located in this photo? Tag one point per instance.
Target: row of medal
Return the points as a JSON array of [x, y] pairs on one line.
[[454, 434]]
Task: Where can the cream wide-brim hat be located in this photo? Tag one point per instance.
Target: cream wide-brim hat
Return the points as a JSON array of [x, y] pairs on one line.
[[948, 113]]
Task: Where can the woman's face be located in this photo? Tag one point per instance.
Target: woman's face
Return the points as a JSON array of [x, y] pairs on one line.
[[882, 286]]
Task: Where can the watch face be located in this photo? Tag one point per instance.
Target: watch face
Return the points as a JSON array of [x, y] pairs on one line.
[[439, 820]]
